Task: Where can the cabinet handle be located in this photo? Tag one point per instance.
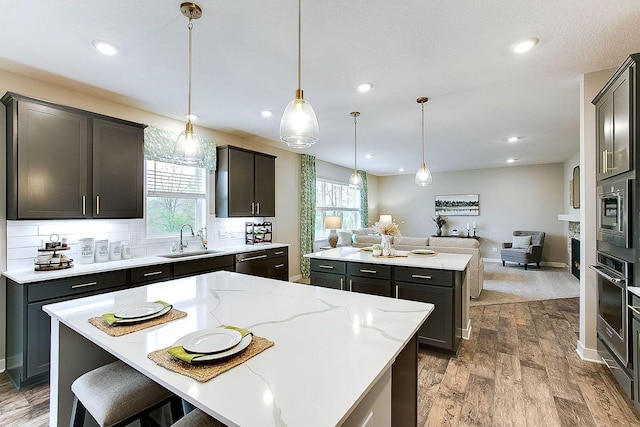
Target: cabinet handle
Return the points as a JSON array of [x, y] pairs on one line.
[[420, 276], [83, 285], [97, 205], [368, 271], [606, 362], [397, 292], [279, 253], [258, 208], [350, 285], [328, 267], [342, 284], [252, 258], [153, 273], [636, 310], [253, 208], [279, 265], [605, 166], [84, 205]]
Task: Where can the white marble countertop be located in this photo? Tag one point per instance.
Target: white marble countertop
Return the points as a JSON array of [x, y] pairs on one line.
[[441, 261], [330, 346], [30, 275], [634, 290]]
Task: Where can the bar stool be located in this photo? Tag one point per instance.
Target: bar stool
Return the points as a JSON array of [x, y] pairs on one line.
[[116, 395], [197, 418]]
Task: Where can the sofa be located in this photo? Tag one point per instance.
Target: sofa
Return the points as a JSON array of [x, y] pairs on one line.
[[454, 245]]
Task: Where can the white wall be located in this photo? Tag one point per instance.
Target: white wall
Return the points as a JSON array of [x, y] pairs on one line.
[[511, 198]]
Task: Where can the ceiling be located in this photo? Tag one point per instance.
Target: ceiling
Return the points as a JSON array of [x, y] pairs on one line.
[[244, 61]]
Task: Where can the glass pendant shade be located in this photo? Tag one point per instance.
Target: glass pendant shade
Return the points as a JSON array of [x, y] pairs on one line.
[[423, 176], [355, 180], [299, 125], [188, 149]]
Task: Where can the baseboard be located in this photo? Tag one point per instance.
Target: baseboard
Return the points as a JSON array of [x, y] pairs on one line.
[[466, 333], [295, 278], [544, 263], [588, 354], [3, 365]]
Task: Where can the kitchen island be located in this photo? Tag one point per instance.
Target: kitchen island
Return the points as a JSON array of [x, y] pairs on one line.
[[337, 358], [438, 278]]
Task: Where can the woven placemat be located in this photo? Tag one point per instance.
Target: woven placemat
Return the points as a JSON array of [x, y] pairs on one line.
[[204, 371], [123, 329]]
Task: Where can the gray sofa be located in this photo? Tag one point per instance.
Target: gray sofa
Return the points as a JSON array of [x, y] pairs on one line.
[[454, 245]]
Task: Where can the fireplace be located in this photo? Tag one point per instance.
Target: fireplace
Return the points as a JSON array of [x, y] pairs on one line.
[[575, 257]]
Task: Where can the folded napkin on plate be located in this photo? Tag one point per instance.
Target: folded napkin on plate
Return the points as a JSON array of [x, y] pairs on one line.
[[110, 318], [179, 352]]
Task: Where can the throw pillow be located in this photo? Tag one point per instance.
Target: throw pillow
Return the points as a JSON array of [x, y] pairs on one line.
[[344, 238], [521, 242]]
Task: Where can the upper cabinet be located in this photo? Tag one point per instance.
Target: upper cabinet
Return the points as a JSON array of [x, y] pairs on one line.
[[245, 183], [615, 121], [64, 163]]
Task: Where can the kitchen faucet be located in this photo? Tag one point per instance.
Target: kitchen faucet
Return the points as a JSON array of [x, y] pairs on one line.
[[184, 244]]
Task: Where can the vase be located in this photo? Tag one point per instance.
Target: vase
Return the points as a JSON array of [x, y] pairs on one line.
[[439, 231], [386, 244]]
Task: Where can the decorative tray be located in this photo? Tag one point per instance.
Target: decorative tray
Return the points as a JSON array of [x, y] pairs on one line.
[[50, 267]]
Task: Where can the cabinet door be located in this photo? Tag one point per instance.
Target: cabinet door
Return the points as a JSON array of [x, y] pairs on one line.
[[635, 339], [240, 183], [38, 339], [438, 329], [328, 280], [604, 136], [621, 124], [118, 170], [265, 189], [367, 285], [52, 162]]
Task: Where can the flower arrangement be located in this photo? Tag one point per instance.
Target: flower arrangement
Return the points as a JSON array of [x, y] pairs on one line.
[[390, 229], [440, 220]]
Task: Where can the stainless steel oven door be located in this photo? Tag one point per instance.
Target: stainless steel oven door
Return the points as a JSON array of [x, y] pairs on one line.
[[613, 213], [612, 311]]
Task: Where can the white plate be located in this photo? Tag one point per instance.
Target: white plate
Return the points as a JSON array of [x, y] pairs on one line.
[[142, 310], [423, 251], [212, 340], [244, 343], [164, 311]]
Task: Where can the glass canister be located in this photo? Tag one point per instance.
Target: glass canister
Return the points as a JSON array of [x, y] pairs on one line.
[[126, 250], [102, 250], [115, 251], [86, 250]]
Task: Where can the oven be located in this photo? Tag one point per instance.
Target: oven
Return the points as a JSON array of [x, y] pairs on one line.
[[613, 213], [612, 326]]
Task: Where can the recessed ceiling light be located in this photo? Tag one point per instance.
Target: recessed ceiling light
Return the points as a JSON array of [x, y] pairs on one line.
[[365, 87], [369, 156], [525, 45], [104, 47], [513, 138], [192, 117], [266, 113], [401, 170], [511, 160]]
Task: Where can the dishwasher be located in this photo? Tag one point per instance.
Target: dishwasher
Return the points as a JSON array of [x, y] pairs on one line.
[[253, 263]]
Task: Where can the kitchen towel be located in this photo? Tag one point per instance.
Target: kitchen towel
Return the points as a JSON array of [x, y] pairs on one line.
[[203, 372]]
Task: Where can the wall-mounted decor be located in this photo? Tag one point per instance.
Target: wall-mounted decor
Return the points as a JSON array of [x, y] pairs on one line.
[[575, 188], [458, 204]]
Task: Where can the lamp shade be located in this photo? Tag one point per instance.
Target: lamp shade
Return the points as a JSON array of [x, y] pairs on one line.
[[386, 219], [332, 222]]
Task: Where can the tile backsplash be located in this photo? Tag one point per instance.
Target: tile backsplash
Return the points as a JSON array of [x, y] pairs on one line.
[[25, 237]]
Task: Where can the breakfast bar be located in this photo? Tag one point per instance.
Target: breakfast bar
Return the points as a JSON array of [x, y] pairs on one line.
[[338, 358]]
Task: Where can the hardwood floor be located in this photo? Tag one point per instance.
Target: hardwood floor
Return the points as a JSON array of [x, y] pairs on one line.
[[520, 368]]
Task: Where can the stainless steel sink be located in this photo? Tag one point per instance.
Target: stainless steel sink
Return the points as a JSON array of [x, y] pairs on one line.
[[188, 254]]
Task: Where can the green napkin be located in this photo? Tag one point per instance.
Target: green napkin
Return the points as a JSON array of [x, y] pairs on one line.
[[179, 352], [110, 318]]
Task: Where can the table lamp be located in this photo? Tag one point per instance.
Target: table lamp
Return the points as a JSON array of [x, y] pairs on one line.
[[386, 219], [333, 223]]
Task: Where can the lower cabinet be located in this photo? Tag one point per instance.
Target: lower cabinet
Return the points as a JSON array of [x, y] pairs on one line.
[[442, 288], [202, 265], [635, 342], [278, 263]]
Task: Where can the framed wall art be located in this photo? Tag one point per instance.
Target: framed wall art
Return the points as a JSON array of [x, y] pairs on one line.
[[458, 204]]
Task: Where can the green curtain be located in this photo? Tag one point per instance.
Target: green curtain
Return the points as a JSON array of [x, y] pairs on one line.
[[159, 144], [307, 209], [364, 200]]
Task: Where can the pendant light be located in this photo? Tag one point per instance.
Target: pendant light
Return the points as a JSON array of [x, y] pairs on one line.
[[423, 176], [299, 125], [355, 181], [188, 149]]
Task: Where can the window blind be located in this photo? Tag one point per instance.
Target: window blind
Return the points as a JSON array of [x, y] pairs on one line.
[[171, 180]]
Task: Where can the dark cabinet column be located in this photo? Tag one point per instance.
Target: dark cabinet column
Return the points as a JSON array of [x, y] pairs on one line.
[[264, 180], [240, 196]]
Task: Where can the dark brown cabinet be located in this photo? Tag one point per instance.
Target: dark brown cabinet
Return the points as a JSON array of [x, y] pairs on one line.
[[202, 265], [245, 183], [615, 121], [271, 263], [634, 314], [328, 274], [372, 279], [64, 163]]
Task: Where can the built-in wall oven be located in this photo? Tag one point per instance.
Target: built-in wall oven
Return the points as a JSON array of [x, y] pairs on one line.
[[614, 205], [613, 275]]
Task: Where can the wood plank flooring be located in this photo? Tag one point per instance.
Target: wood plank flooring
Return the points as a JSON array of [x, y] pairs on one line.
[[520, 368]]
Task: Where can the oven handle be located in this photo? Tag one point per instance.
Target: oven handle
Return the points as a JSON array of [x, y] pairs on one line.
[[614, 280]]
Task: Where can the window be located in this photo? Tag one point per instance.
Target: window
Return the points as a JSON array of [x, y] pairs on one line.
[[176, 195], [333, 199]]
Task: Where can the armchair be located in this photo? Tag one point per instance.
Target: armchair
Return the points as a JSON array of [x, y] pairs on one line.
[[522, 249]]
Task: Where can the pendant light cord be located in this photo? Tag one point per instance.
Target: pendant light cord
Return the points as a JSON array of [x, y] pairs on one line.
[[355, 144], [422, 105], [190, 27], [299, 41]]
